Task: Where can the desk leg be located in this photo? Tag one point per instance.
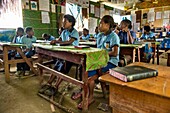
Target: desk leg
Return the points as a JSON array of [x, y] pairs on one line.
[[85, 95], [157, 54], [6, 65], [26, 60], [138, 54], [40, 60], [134, 52]]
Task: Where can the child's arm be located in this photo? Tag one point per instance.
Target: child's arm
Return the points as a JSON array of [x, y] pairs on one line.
[[114, 51]]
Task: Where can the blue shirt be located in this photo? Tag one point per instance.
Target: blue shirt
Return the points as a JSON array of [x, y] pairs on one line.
[[108, 42], [18, 40], [86, 37], [67, 35], [51, 38], [147, 36], [123, 36], [95, 36], [28, 41]]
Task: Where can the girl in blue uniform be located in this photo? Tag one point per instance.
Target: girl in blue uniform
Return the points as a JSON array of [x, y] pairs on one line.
[[109, 41]]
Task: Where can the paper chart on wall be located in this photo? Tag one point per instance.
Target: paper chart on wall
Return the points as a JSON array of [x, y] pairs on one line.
[[92, 25], [45, 17], [63, 9], [166, 14], [92, 9], [34, 5], [158, 15], [25, 4], [53, 8], [97, 11], [44, 5]]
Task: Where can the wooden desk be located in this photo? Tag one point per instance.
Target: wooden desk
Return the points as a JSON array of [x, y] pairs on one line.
[[89, 43], [6, 47], [151, 95], [77, 57], [131, 49]]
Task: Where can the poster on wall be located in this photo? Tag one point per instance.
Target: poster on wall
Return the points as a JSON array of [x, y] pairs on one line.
[[63, 9], [34, 5], [166, 14], [25, 4], [45, 17], [158, 15], [92, 25], [97, 11], [53, 8], [92, 8], [44, 5]]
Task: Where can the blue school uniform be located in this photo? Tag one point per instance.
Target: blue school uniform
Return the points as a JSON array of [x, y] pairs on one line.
[[86, 37], [123, 36], [51, 38], [148, 36], [66, 35], [28, 42], [108, 42], [95, 36]]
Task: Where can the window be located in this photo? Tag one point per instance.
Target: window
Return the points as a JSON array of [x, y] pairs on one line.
[[10, 14]]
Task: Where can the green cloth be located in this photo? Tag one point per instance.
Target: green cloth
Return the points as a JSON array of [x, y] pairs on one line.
[[95, 58]]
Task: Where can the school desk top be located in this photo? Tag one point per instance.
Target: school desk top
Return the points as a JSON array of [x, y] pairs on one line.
[[159, 85], [11, 44], [95, 58]]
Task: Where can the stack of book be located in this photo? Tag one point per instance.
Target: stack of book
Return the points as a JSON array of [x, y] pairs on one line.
[[131, 73]]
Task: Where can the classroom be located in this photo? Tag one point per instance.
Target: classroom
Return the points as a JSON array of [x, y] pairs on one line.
[[84, 56]]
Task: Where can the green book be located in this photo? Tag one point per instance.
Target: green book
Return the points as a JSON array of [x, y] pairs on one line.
[[131, 73]]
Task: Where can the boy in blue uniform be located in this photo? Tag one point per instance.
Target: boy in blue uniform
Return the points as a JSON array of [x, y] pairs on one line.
[[86, 34], [48, 37], [109, 41], [16, 39], [126, 35], [148, 34], [69, 36], [96, 32], [28, 39]]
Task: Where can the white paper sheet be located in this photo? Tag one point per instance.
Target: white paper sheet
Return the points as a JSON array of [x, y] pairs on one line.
[[63, 9], [53, 8], [92, 8], [45, 17], [34, 5], [44, 5], [92, 25], [166, 14], [25, 4], [133, 18], [97, 11], [158, 15]]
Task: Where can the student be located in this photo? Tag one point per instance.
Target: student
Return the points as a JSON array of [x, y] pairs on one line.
[[147, 33], [109, 41], [69, 36], [96, 32], [126, 35], [86, 34], [19, 34], [16, 39], [28, 39], [48, 37]]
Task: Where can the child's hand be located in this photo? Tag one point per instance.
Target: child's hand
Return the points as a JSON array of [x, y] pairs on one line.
[[53, 42]]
